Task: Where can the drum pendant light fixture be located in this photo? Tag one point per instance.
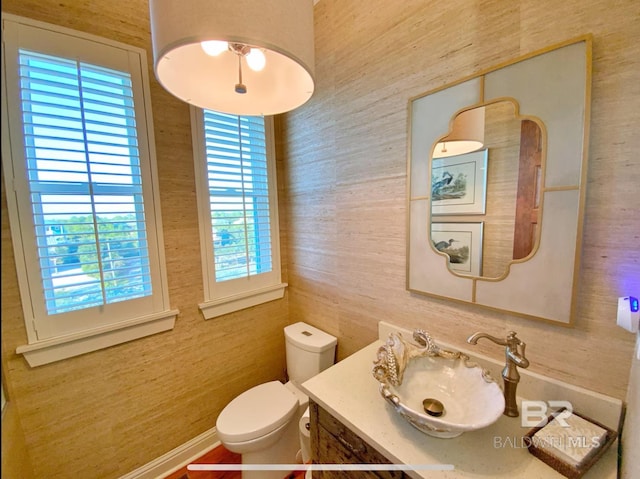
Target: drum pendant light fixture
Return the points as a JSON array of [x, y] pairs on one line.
[[243, 57], [467, 135]]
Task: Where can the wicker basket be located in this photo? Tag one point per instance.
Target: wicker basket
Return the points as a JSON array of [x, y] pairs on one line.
[[566, 469]]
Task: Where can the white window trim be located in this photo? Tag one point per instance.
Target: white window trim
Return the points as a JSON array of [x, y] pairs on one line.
[[229, 304], [63, 347], [221, 298], [39, 352]]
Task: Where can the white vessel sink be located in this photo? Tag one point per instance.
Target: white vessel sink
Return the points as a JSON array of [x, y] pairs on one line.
[[440, 392]]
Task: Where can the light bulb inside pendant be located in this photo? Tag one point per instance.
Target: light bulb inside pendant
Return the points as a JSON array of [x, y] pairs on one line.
[[213, 48], [254, 56], [256, 59]]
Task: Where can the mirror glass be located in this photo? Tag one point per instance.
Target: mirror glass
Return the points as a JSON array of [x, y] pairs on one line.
[[484, 204]]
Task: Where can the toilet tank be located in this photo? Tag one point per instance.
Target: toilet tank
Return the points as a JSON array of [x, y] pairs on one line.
[[309, 351]]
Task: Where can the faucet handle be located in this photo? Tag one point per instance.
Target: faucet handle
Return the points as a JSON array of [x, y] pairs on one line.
[[514, 341], [515, 350], [512, 335]]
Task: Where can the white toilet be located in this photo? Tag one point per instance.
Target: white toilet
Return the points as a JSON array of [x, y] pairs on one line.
[[262, 423]]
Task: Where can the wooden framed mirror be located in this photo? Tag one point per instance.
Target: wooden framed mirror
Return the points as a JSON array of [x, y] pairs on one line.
[[513, 242]]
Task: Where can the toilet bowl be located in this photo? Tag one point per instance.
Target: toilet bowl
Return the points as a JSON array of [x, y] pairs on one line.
[[259, 417], [262, 423]]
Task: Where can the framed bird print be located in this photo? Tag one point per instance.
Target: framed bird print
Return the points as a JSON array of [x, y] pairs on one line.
[[459, 184], [462, 242]]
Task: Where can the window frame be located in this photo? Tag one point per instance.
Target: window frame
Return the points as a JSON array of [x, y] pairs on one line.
[[228, 296], [88, 329]]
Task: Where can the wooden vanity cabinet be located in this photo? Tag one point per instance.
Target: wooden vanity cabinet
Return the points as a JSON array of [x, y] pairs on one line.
[[333, 443]]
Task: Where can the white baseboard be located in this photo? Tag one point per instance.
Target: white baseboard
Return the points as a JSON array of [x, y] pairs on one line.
[[178, 458]]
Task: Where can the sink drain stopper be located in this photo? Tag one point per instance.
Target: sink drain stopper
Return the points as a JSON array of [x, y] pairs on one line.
[[433, 407]]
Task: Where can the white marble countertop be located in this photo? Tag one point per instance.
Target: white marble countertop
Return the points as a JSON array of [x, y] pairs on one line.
[[349, 392]]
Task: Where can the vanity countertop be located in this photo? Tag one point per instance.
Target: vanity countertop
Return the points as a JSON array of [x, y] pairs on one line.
[[349, 392]]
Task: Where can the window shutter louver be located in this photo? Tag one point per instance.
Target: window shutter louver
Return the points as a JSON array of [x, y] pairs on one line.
[[85, 182]]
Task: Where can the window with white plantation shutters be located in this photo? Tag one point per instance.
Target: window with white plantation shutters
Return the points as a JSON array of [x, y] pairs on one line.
[[235, 169], [239, 194], [81, 190], [83, 166]]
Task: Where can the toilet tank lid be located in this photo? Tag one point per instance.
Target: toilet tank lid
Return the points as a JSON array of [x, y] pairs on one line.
[[309, 338]]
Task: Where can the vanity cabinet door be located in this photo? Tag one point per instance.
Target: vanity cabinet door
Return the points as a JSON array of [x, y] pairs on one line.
[[334, 443]]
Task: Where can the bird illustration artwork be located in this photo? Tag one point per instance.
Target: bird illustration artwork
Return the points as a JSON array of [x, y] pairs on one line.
[[442, 245], [437, 186], [457, 255]]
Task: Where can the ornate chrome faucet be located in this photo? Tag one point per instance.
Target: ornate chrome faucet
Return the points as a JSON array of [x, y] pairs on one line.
[[514, 353]]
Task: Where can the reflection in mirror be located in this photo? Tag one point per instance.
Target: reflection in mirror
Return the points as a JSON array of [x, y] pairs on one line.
[[484, 204], [466, 135]]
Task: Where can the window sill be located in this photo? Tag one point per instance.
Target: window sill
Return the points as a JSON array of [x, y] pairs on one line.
[[230, 304], [63, 347]]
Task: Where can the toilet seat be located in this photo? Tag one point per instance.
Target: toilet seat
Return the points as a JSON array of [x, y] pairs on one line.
[[256, 412]]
